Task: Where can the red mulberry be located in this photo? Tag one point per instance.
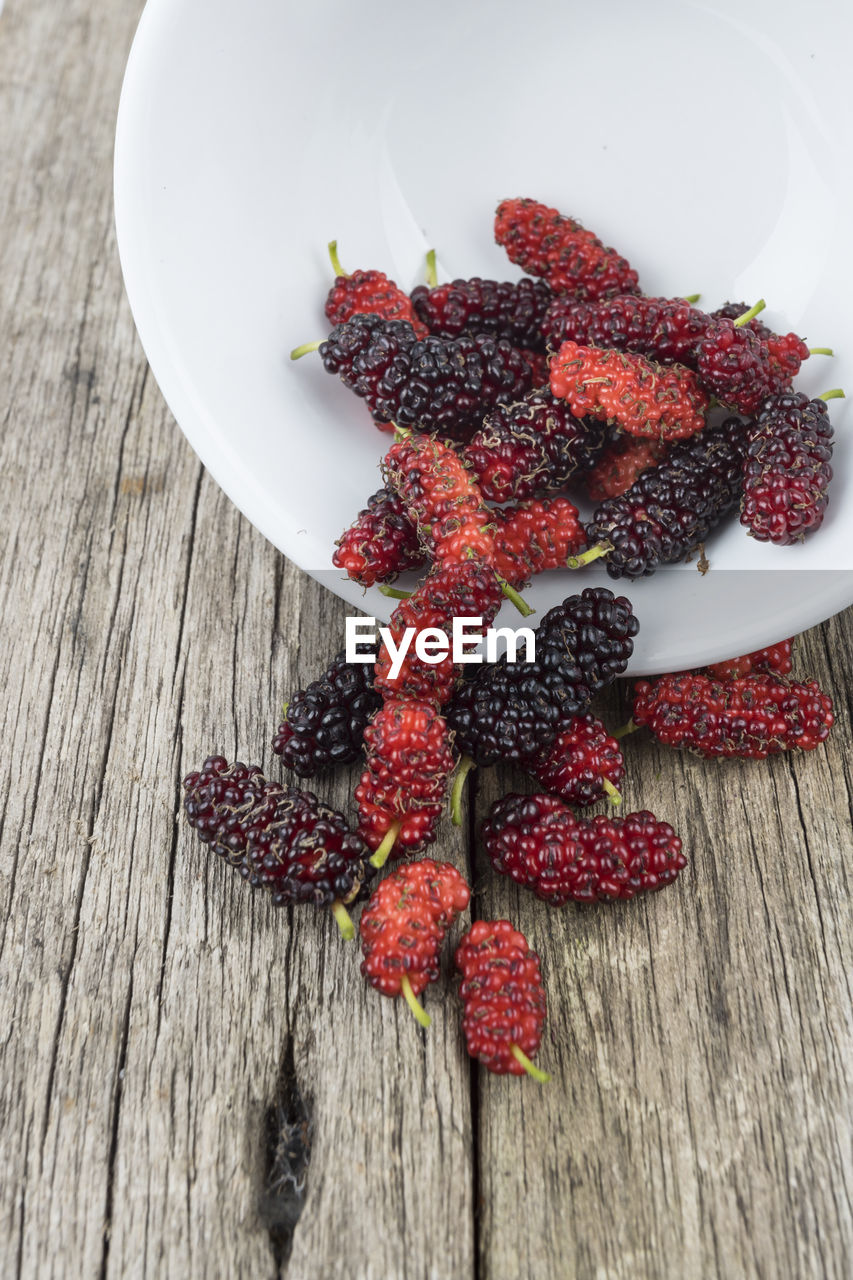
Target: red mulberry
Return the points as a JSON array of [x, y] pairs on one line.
[[542, 845], [404, 925], [503, 998], [582, 765], [663, 402], [368, 293], [381, 543], [750, 718], [469, 589], [401, 793], [623, 462], [787, 469], [775, 658], [545, 243]]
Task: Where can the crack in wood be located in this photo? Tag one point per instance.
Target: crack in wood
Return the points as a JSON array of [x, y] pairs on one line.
[[287, 1135]]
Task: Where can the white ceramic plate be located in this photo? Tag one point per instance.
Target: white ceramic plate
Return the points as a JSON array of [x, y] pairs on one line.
[[706, 141]]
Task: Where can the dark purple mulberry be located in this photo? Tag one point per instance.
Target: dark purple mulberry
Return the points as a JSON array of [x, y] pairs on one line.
[[673, 507], [514, 711], [513, 310], [282, 840], [437, 384], [324, 724]]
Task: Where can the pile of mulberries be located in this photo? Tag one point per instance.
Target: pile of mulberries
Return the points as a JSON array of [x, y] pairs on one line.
[[512, 402]]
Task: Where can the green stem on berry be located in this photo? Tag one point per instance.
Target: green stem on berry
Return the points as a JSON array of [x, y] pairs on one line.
[[466, 764], [298, 352], [517, 599], [431, 273], [587, 557], [750, 314], [394, 592], [336, 262], [414, 1003], [611, 791], [835, 394], [401, 433], [380, 857], [821, 351], [530, 1067], [344, 921], [284, 707], [630, 727], [692, 297]]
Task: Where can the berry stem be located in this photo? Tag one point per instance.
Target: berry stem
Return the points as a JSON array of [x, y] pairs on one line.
[[630, 727], [344, 921], [821, 351], [431, 273], [692, 298], [532, 1070], [750, 314], [466, 764], [611, 791], [835, 394], [394, 592], [298, 352], [414, 1003], [517, 599], [587, 557], [380, 857], [336, 262], [401, 433]]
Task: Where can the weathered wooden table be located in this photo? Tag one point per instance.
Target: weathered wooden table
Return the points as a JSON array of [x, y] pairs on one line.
[[170, 1042]]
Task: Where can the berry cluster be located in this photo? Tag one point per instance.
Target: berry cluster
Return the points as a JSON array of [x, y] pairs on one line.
[[507, 393]]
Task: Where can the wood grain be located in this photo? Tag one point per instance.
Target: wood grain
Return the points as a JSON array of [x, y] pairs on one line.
[[164, 1032]]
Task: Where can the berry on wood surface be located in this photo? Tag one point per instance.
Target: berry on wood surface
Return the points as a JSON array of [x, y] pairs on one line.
[[503, 998], [285, 841], [750, 718], [543, 846], [404, 925], [324, 723]]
